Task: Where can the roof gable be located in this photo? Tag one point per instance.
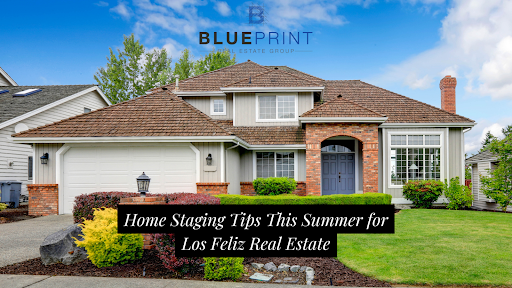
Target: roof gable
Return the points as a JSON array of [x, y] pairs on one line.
[[340, 107]]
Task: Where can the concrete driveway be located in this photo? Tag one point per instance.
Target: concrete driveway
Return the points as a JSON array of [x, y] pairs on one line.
[[20, 241]]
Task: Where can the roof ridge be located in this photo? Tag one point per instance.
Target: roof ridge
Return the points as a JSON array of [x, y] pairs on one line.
[[431, 106], [271, 71], [83, 114], [296, 70], [209, 72]]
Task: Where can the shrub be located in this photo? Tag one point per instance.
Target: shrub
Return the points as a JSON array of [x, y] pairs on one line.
[[165, 243], [224, 267], [3, 206], [352, 199], [423, 193], [459, 195], [274, 185], [86, 203], [105, 247]]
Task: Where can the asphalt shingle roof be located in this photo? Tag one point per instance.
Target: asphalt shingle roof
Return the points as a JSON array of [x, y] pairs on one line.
[[482, 156], [267, 135], [12, 107], [275, 78], [340, 107]]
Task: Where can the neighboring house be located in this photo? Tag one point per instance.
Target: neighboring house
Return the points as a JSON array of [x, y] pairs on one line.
[[27, 107], [481, 165], [254, 121]]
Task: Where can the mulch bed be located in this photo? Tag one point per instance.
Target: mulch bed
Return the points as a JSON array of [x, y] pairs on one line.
[[326, 270], [15, 214]]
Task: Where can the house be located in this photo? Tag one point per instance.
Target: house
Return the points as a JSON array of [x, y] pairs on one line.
[[481, 165], [217, 132], [27, 107]]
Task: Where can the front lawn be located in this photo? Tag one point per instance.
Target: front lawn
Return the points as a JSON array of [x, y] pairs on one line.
[[435, 247]]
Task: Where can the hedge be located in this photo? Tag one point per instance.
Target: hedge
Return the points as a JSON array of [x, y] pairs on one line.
[[85, 203], [351, 199]]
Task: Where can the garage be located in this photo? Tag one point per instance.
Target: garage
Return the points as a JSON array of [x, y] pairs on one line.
[[114, 167]]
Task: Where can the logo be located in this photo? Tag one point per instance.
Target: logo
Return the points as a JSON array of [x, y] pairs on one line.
[[256, 14]]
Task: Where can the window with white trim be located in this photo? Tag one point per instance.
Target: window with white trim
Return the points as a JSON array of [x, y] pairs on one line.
[[277, 107], [275, 164], [217, 105], [415, 157]]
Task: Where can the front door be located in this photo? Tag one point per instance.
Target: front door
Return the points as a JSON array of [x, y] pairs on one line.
[[338, 173]]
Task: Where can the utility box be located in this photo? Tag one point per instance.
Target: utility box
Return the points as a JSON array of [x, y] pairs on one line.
[[10, 193]]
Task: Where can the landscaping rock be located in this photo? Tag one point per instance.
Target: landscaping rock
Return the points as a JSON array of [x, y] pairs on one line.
[[291, 280], [310, 275], [283, 267], [402, 207], [270, 266], [295, 268], [261, 277], [60, 247], [303, 268], [257, 265], [309, 269]]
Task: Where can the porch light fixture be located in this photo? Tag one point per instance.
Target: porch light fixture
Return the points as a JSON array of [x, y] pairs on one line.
[[209, 160], [44, 158], [143, 184]]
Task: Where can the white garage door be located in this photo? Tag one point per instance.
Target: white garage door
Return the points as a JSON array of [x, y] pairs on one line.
[[172, 168]]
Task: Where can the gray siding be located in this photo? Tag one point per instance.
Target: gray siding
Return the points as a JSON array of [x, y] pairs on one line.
[[246, 166], [456, 154], [205, 148], [245, 109], [19, 152], [45, 173], [480, 200], [301, 165], [233, 169], [4, 82], [203, 104], [381, 164]]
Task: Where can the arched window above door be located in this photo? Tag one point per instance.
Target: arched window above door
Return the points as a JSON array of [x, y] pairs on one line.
[[336, 149]]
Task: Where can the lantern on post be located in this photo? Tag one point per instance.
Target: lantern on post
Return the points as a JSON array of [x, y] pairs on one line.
[[143, 184]]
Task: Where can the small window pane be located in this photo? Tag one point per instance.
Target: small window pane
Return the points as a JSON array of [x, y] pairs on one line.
[[398, 140], [267, 107], [286, 107], [87, 110], [432, 140], [285, 164], [265, 164], [415, 140], [30, 166], [218, 106]]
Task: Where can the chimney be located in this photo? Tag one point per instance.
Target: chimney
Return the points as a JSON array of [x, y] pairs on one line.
[[447, 86]]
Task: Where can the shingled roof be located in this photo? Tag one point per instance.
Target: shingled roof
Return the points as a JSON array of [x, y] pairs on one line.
[[13, 107], [340, 107], [267, 135], [398, 108], [481, 157], [275, 78], [156, 114]]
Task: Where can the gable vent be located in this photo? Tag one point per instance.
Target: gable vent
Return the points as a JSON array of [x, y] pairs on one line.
[[3, 91], [26, 92]]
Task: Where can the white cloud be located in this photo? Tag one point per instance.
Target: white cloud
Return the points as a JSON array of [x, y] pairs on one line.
[[473, 139], [122, 10], [223, 8], [173, 48], [476, 44], [101, 4]]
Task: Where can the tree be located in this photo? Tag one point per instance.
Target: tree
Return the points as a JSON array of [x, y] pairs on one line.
[[133, 71], [499, 185], [507, 130], [487, 140], [184, 68], [216, 59]]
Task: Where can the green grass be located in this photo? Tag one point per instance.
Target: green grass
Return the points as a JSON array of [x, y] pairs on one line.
[[437, 247]]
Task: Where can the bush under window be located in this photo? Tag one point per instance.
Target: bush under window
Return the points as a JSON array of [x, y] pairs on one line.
[[274, 185], [423, 193]]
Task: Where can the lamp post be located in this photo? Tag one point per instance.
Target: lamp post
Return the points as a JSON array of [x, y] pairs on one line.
[[143, 184]]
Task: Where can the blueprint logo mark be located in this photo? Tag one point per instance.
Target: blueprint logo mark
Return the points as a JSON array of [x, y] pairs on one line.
[[256, 14]]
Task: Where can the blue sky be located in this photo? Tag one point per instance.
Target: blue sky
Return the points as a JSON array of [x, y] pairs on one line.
[[405, 46]]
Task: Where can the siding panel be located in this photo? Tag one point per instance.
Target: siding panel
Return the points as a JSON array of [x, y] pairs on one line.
[[203, 104]]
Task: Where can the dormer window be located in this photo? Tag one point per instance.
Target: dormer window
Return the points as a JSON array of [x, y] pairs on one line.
[[280, 107], [217, 105]]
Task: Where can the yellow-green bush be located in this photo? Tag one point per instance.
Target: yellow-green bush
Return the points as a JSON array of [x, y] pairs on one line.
[[3, 206], [223, 268], [104, 245]]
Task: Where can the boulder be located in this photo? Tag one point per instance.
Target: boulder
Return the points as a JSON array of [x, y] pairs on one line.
[[257, 265], [270, 266], [295, 268], [60, 247], [283, 267]]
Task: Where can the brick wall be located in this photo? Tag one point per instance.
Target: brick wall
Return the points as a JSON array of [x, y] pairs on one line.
[[144, 201], [367, 134], [212, 188], [43, 199], [247, 189], [447, 86]]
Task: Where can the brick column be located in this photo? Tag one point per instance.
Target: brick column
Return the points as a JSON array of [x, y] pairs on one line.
[[371, 167], [43, 199], [313, 168], [212, 188], [144, 201]]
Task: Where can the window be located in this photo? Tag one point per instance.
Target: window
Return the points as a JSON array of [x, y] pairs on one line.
[[87, 110], [275, 164], [415, 157], [30, 167], [217, 105], [336, 149], [277, 107]]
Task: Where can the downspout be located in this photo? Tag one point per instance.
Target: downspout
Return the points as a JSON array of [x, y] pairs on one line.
[[226, 162]]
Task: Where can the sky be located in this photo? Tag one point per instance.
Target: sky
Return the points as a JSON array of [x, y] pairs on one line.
[[405, 46]]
